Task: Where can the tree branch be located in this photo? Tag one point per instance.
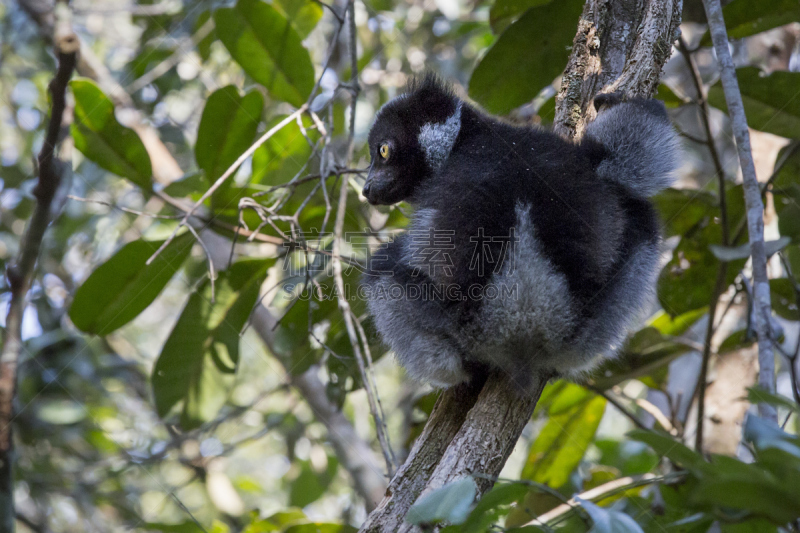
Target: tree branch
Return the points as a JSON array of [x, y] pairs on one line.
[[752, 196], [621, 45], [20, 273]]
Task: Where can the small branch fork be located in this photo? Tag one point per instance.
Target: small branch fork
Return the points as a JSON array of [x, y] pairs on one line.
[[20, 273], [754, 204]]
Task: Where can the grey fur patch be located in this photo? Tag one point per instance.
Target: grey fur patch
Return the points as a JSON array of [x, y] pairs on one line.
[[538, 327], [418, 336], [528, 330], [622, 309], [437, 139], [644, 149]]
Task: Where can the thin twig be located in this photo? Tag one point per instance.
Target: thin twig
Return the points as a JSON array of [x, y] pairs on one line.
[[217, 184], [702, 380], [212, 275], [344, 307], [755, 206], [705, 115], [162, 68], [123, 209], [20, 273], [602, 492]]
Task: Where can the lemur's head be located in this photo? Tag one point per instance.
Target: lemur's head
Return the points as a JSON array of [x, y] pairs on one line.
[[411, 139]]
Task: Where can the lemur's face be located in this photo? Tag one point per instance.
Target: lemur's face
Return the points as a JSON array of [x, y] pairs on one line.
[[398, 163]]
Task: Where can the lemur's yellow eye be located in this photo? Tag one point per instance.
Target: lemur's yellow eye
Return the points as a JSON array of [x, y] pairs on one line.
[[384, 151]]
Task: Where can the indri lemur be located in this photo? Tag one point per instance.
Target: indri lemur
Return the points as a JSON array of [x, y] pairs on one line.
[[573, 236]]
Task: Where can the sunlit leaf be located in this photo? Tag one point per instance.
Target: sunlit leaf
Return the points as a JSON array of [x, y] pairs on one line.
[[122, 287], [105, 141], [303, 14], [268, 48], [562, 442]]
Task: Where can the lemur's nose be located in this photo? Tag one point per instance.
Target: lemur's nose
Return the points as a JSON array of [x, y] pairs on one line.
[[365, 192]]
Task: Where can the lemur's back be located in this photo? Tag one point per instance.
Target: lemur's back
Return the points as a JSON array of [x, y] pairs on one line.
[[546, 251], [494, 167]]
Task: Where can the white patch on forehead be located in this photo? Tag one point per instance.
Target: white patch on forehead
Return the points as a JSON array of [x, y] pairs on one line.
[[437, 139]]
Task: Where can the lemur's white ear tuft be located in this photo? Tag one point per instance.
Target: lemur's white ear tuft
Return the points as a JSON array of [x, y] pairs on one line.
[[437, 139]]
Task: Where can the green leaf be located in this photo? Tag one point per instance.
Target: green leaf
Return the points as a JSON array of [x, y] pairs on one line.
[[450, 503], [645, 357], [105, 141], [683, 209], [184, 527], [60, 412], [562, 442], [667, 325], [757, 495], [769, 101], [316, 527], [303, 14], [786, 193], [757, 525], [736, 340], [748, 17], [527, 57], [198, 362], [268, 48], [669, 447], [283, 155], [687, 281], [227, 128], [503, 12], [668, 96], [494, 505], [310, 485], [732, 253], [784, 298], [292, 344], [122, 287], [758, 395]]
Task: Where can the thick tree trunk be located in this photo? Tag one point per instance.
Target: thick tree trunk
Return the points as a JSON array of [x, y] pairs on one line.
[[621, 45]]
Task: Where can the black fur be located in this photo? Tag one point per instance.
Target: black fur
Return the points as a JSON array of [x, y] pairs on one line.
[[495, 178]]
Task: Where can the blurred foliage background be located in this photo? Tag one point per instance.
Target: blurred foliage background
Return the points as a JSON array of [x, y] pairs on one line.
[[147, 402]]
